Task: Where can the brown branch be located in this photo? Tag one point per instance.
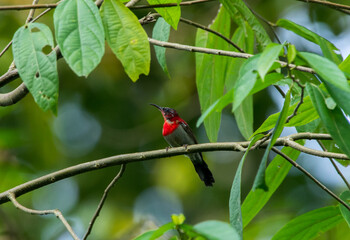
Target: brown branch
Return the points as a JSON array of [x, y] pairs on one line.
[[163, 153], [222, 53], [11, 196], [7, 99], [103, 199], [300, 168], [336, 6]]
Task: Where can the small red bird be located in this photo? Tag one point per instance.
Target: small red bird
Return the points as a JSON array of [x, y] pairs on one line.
[[177, 133]]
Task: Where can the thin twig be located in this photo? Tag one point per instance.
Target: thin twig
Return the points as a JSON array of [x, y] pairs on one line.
[[300, 168], [212, 31], [334, 165], [55, 212], [103, 199], [31, 12], [278, 88], [163, 153], [221, 52], [54, 5], [336, 6], [298, 105]]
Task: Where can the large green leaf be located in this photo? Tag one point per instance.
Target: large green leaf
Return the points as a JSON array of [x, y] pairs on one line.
[[345, 66], [305, 114], [216, 230], [235, 195], [310, 224], [275, 174], [345, 196], [260, 179], [127, 39], [246, 81], [79, 34], [333, 78], [170, 14], [210, 71], [37, 70], [161, 31], [240, 12], [268, 57], [334, 120], [328, 49]]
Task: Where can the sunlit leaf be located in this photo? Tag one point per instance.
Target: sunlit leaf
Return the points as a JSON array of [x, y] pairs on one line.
[[127, 39], [37, 69], [170, 14], [310, 224], [79, 34], [267, 58]]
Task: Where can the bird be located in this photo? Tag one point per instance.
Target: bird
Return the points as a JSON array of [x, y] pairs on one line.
[[178, 133]]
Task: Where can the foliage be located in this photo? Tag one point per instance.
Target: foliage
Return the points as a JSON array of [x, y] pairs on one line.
[[317, 99]]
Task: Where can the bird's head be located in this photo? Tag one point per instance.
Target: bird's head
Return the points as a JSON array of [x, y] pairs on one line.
[[168, 113]]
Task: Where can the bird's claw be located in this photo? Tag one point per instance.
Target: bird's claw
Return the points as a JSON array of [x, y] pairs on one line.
[[167, 149], [185, 146]]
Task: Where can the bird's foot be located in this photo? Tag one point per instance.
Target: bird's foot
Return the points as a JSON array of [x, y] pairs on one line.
[[185, 146], [167, 148]]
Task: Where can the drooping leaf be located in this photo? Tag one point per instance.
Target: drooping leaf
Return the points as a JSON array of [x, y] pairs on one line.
[[127, 39], [310, 224], [267, 58], [37, 69], [170, 14], [79, 34], [328, 49], [235, 195], [333, 78], [305, 114], [345, 196], [345, 66], [215, 230], [334, 120], [241, 13], [275, 174], [161, 31], [260, 181], [210, 71]]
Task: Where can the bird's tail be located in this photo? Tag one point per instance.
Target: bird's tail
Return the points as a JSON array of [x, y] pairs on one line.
[[202, 169]]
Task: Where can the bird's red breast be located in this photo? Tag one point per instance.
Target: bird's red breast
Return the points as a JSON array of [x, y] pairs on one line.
[[169, 126]]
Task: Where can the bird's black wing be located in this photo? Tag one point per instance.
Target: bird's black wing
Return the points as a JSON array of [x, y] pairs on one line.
[[188, 131]]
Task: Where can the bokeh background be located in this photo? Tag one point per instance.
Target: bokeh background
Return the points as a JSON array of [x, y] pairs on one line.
[[107, 114]]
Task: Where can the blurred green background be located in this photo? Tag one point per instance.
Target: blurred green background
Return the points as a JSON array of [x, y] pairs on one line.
[[107, 114]]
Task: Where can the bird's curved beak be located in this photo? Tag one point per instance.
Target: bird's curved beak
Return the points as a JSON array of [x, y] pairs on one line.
[[155, 105]]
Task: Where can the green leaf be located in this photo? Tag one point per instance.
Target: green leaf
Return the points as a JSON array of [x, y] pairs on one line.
[[259, 181], [334, 120], [37, 70], [292, 53], [268, 57], [235, 195], [310, 224], [328, 49], [178, 219], [170, 14], [345, 66], [161, 32], [145, 236], [270, 79], [216, 230], [127, 39], [240, 12], [244, 117], [305, 114], [79, 34], [345, 196], [246, 81], [275, 174], [210, 71]]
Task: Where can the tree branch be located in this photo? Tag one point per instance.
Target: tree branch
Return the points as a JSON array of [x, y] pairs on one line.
[[103, 199], [143, 156], [300, 168], [55, 212], [336, 6], [222, 53]]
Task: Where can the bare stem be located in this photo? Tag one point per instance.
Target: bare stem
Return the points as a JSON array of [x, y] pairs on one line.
[[11, 196], [103, 199], [163, 153], [303, 170]]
